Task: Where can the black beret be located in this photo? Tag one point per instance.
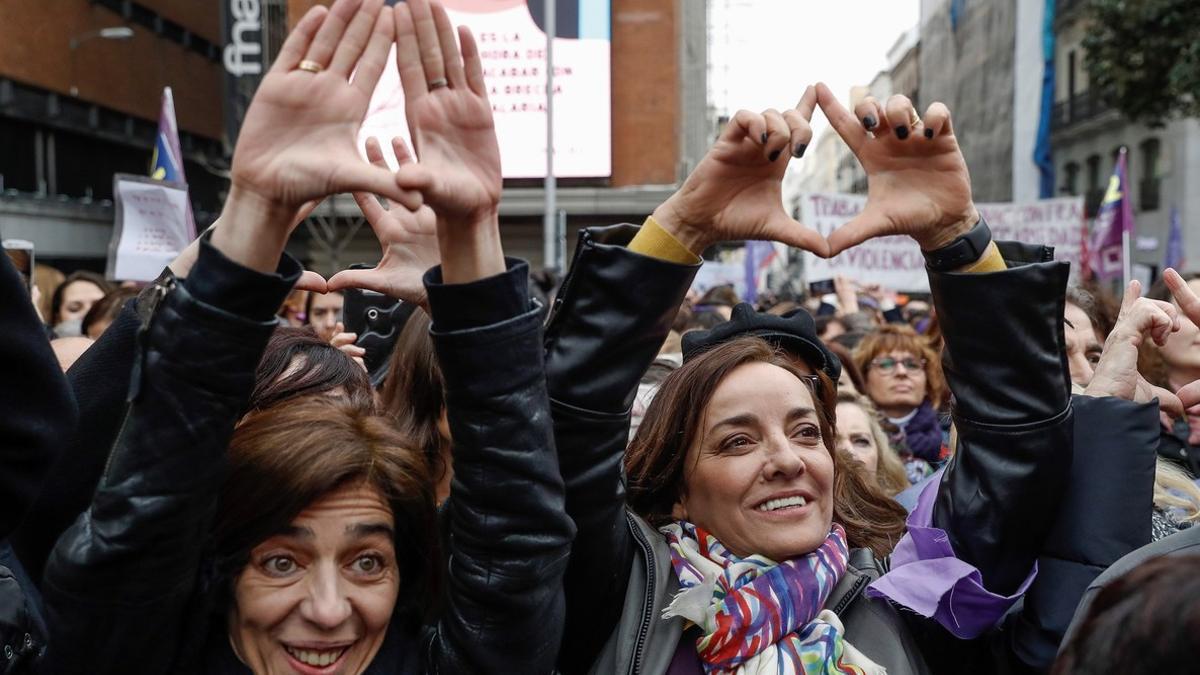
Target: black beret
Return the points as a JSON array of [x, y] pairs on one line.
[[793, 332]]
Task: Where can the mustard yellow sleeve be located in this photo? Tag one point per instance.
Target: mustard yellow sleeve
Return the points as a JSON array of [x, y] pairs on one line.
[[653, 241], [990, 261]]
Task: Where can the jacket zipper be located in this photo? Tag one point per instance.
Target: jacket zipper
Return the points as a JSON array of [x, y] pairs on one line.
[[635, 665], [859, 584]]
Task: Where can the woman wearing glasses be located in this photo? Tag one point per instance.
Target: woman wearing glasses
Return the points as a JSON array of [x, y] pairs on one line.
[[904, 380]]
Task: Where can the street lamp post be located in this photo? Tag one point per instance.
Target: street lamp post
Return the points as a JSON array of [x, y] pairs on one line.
[[110, 33]]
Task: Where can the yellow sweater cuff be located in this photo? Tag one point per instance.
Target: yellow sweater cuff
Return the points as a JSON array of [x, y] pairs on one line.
[[653, 241], [991, 261]]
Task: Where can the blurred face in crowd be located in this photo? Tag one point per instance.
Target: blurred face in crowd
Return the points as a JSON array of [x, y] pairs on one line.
[[326, 313], [759, 476], [896, 382], [1083, 344], [318, 596], [77, 299], [856, 437], [1182, 350]]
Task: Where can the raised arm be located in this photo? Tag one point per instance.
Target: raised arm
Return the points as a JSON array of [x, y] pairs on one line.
[[122, 583], [1001, 313]]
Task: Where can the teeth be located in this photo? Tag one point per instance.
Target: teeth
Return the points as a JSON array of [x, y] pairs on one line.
[[316, 658], [776, 504]]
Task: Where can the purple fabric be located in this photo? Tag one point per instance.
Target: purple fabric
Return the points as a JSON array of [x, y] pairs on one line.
[[928, 579], [686, 660], [923, 434]]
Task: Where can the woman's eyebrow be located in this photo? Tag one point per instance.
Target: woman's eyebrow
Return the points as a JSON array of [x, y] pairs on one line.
[[361, 530]]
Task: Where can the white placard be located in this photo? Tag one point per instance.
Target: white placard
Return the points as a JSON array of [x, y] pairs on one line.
[[512, 48], [150, 229], [897, 263]]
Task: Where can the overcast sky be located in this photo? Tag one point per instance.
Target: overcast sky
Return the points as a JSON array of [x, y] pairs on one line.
[[775, 48]]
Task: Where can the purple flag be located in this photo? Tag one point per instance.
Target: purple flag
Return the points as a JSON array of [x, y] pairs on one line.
[[759, 255], [167, 161], [1112, 222], [1174, 257]]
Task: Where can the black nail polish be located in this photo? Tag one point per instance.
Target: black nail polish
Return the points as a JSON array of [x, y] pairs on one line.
[[764, 137], [799, 151], [902, 132], [774, 155], [929, 133], [869, 122]]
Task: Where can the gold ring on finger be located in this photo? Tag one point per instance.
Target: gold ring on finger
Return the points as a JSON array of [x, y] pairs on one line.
[[310, 66]]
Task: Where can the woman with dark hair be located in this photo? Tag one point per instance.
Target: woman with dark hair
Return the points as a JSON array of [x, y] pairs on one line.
[[72, 300], [414, 395], [296, 362], [741, 549], [103, 313], [324, 518]]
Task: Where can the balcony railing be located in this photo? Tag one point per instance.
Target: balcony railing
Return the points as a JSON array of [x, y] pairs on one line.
[[1079, 108]]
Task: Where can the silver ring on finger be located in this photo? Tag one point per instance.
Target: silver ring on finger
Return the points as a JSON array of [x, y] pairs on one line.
[[438, 83]]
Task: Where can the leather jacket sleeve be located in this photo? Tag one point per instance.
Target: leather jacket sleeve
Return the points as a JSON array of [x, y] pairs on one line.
[[119, 584], [1006, 366], [609, 320], [99, 381], [510, 536], [38, 409]]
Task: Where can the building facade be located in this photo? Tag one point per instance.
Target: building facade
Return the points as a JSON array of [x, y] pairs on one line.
[[1163, 163], [77, 106]]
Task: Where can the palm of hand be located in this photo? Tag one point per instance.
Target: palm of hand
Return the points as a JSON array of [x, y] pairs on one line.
[[915, 186], [291, 151], [739, 191], [455, 140]]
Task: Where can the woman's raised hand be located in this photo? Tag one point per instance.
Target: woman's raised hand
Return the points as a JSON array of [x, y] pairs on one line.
[[917, 180], [408, 239], [1189, 305], [297, 142], [734, 192], [454, 136]]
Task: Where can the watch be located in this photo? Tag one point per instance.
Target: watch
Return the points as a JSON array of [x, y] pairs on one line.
[[962, 251]]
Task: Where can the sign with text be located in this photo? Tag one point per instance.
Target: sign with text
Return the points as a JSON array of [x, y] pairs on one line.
[[896, 262], [151, 227], [512, 44]]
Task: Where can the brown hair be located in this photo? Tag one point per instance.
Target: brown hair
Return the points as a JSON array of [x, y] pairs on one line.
[[107, 308], [1143, 622], [847, 360], [283, 459], [901, 338], [654, 462], [56, 299], [889, 473], [414, 393], [298, 363]]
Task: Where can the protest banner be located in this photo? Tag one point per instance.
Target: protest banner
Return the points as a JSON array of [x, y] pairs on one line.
[[150, 228], [896, 262]]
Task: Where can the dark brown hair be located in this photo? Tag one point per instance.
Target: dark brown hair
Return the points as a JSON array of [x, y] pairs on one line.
[[107, 308], [414, 393], [285, 458], [839, 350], [1144, 622], [298, 363], [79, 275], [654, 461], [901, 338]]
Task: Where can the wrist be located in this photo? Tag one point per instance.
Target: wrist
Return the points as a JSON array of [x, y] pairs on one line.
[[944, 236], [672, 219], [253, 229], [470, 249]]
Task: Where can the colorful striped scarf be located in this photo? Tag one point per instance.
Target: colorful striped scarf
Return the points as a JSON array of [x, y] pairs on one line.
[[759, 616]]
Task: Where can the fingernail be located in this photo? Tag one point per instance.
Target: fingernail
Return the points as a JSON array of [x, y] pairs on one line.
[[763, 138], [902, 132], [799, 151], [774, 155], [869, 122], [929, 133]]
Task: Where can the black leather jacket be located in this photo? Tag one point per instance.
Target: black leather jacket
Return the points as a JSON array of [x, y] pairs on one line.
[[125, 587], [37, 412], [1005, 362]]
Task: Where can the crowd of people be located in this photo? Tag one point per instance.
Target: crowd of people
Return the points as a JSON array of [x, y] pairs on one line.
[[612, 475]]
